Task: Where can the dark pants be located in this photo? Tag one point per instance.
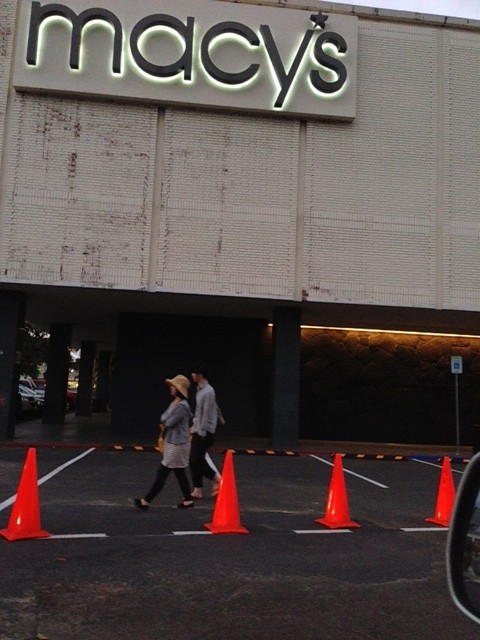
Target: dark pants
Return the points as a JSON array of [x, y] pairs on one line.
[[198, 465], [162, 475]]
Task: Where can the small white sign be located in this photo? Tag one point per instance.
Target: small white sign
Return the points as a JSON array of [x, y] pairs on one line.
[[456, 364]]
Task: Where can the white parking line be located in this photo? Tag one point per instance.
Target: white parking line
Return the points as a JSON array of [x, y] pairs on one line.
[[415, 529], [352, 473], [103, 536], [433, 464], [64, 466], [6, 503], [75, 535], [307, 531], [192, 533]]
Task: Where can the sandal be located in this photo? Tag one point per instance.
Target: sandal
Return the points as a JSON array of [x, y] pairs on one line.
[[186, 504]]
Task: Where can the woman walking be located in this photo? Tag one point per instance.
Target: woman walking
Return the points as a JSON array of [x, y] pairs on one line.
[[176, 435]]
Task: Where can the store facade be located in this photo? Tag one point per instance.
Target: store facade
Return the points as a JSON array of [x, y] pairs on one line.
[[175, 180]]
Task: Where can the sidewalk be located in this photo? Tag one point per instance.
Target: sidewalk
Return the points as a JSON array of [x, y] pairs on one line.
[[95, 430]]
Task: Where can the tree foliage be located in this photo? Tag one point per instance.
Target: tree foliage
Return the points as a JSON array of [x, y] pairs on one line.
[[34, 350]]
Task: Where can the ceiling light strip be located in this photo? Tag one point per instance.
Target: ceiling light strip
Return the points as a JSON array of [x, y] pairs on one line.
[[396, 331]]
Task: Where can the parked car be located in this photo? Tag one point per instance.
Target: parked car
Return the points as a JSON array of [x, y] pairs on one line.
[[28, 403], [71, 399], [463, 543], [71, 394], [31, 385], [40, 383]]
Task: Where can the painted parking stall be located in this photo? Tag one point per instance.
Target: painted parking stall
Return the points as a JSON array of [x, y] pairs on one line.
[[309, 494]]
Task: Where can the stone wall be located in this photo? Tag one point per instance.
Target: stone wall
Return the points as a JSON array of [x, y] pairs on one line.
[[387, 387], [380, 387]]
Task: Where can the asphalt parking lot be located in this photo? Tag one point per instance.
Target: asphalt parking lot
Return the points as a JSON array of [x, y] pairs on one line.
[[111, 571]]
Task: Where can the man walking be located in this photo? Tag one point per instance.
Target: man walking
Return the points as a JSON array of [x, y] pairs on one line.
[[203, 432]]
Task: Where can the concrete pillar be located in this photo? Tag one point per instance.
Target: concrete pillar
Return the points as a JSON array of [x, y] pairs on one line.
[[57, 374], [12, 316], [286, 377], [102, 391], [86, 369], [137, 399]]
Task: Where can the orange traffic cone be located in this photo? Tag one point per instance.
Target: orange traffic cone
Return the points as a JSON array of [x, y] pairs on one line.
[[226, 515], [24, 520], [445, 496], [337, 515]]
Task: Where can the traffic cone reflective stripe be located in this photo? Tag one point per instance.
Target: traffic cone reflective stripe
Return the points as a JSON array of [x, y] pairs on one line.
[[226, 514], [445, 496], [24, 520], [337, 514]]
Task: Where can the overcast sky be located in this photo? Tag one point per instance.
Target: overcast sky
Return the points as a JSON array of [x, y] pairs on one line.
[[455, 8]]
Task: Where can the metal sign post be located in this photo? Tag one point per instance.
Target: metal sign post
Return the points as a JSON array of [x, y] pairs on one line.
[[456, 366]]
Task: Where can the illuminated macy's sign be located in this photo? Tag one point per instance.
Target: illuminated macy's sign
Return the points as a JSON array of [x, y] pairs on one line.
[[207, 53]]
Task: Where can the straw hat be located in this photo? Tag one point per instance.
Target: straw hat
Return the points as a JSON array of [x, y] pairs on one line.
[[181, 384]]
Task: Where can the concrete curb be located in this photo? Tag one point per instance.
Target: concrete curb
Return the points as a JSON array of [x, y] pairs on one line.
[[288, 453]]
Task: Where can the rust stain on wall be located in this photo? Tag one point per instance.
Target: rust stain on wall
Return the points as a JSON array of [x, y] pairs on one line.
[[91, 271], [5, 33], [57, 119], [72, 165]]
